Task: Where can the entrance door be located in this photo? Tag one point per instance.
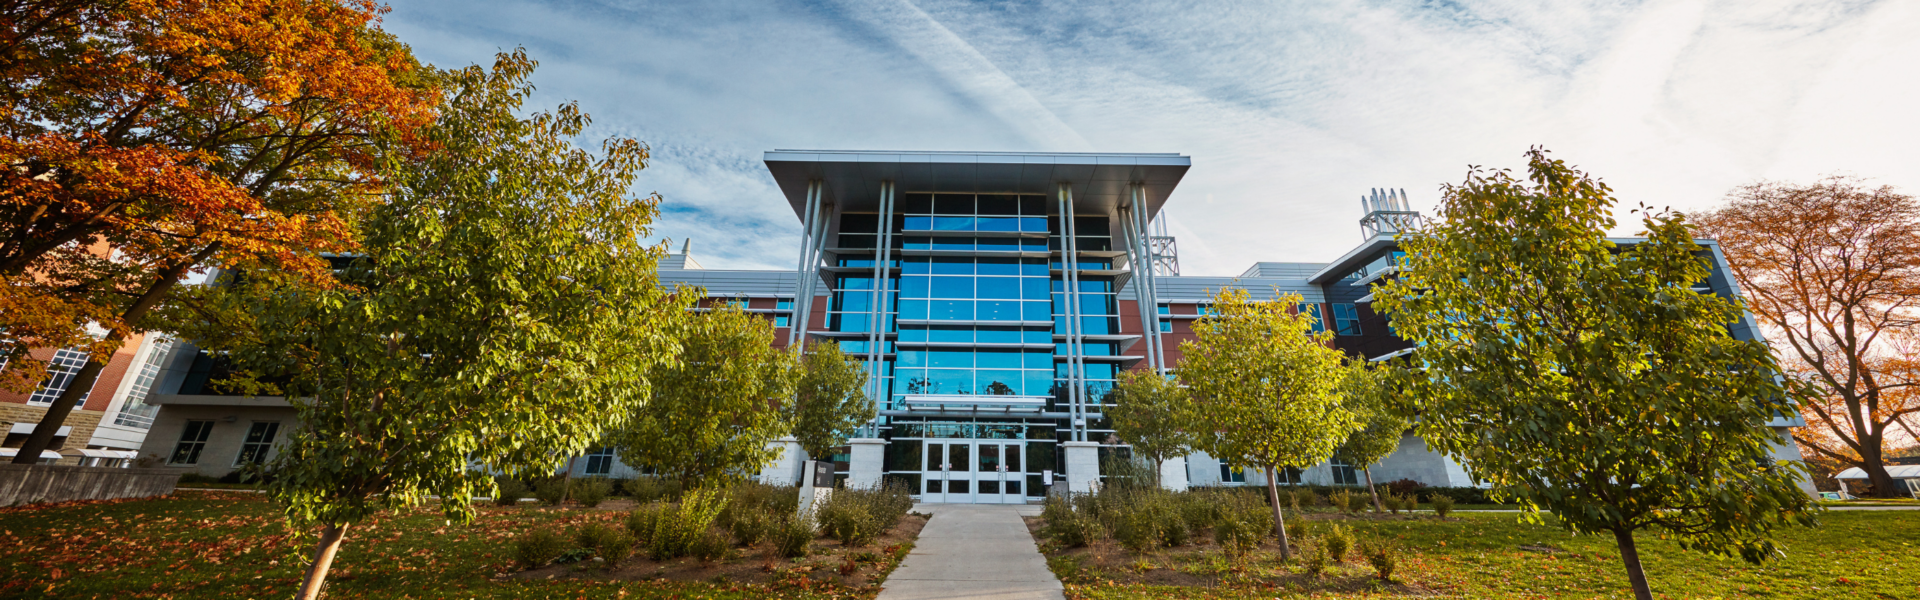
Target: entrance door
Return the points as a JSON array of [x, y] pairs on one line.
[[974, 471]]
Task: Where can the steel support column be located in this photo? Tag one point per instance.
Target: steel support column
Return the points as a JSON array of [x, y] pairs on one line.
[[813, 244], [877, 305], [1070, 292]]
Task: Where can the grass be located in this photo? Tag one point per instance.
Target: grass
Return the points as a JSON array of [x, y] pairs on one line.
[[1865, 554], [235, 545]]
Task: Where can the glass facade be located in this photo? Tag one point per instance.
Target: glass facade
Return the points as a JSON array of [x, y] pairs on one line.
[[974, 312]]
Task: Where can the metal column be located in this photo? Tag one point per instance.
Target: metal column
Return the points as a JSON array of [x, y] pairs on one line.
[[1141, 263], [813, 244], [876, 309], [1070, 292]]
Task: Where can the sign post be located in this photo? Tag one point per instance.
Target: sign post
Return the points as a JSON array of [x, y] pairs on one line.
[[816, 486]]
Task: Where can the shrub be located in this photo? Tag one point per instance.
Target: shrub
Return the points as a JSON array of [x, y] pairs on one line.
[[792, 535], [1173, 528], [856, 517], [550, 491], [1198, 511], [1291, 498], [610, 543], [591, 491], [1316, 560], [1245, 521], [1337, 542], [1067, 527], [750, 528], [710, 546], [646, 489], [1381, 556], [538, 547], [1392, 503], [511, 491], [1296, 530], [1404, 487], [1442, 504], [640, 522], [1406, 502], [1137, 532], [676, 527], [1342, 500]]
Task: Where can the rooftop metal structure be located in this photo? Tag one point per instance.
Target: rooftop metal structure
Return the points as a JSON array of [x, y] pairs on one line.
[[1099, 181]]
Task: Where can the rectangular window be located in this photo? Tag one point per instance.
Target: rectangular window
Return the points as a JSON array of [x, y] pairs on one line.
[[1288, 476], [60, 371], [1232, 474], [1346, 320], [1344, 474], [1166, 326], [192, 440], [254, 450], [600, 462], [783, 304], [781, 320], [1314, 311]]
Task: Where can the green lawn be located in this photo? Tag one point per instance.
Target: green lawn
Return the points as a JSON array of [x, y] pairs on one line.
[[1853, 554], [233, 546]]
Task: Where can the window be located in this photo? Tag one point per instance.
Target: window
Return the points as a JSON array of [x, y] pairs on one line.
[[192, 440], [254, 450], [134, 410], [60, 371], [1314, 310], [1165, 325], [783, 304], [1346, 320], [781, 320], [1288, 476], [600, 462], [1232, 474], [1344, 474]]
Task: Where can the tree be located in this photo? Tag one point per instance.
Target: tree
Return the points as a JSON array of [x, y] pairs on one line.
[[1370, 394], [829, 400], [1832, 270], [712, 412], [1586, 378], [147, 141], [503, 312], [1151, 412], [1270, 388]]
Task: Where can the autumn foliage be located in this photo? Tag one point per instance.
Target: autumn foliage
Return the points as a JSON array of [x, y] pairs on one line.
[[149, 139]]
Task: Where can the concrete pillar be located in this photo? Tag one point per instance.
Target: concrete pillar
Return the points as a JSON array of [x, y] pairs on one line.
[[866, 462], [1083, 466], [1173, 474], [787, 463]]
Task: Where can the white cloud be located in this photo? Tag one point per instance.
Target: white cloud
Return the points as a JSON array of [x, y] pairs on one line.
[[1290, 113]]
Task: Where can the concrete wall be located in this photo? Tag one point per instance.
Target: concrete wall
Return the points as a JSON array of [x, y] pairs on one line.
[[230, 425], [32, 484]]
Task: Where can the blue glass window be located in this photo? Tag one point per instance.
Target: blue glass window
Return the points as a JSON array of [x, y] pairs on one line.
[[998, 224], [913, 309], [1036, 311], [1346, 320], [991, 244], [998, 335], [1313, 310], [912, 286], [999, 287], [952, 287], [950, 334], [918, 224], [953, 223], [998, 266], [1034, 224], [951, 310], [910, 358], [916, 242], [998, 310], [998, 383], [951, 265], [998, 359], [952, 243], [1037, 360], [953, 359], [916, 265]]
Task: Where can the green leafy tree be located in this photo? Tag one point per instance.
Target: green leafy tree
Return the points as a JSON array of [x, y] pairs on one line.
[[829, 400], [713, 411], [503, 313], [1270, 388], [1370, 395], [1150, 413], [1586, 378]]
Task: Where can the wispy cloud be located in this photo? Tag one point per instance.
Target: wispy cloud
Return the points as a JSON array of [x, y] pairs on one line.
[[1290, 113]]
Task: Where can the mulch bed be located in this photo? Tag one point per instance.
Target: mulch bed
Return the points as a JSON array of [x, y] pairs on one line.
[[828, 563]]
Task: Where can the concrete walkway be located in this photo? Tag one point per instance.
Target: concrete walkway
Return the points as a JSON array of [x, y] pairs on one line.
[[973, 551]]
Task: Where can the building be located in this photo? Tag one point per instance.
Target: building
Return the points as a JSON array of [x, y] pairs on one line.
[[108, 425], [994, 298]]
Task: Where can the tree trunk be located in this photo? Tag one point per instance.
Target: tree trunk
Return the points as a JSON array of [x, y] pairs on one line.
[[1377, 506], [1630, 557], [56, 415], [316, 579], [1279, 522], [566, 488], [42, 436], [1883, 483]]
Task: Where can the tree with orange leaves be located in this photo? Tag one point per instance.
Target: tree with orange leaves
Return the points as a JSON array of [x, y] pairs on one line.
[[1832, 269], [148, 140]]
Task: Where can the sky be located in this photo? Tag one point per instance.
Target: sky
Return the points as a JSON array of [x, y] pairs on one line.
[[1290, 111]]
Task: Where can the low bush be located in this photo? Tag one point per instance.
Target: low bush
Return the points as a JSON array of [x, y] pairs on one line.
[[641, 520], [856, 517], [792, 535], [711, 545], [591, 491], [1442, 504], [1337, 542], [511, 491], [1404, 487], [1342, 499], [1245, 521], [538, 547], [750, 528], [1065, 526], [1406, 502], [1381, 556], [648, 488], [1197, 509], [1316, 560], [611, 544], [678, 526], [550, 491]]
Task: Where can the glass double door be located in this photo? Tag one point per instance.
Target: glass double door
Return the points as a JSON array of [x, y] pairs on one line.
[[974, 471]]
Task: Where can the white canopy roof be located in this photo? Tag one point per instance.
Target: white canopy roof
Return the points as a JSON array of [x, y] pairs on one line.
[[43, 453], [1897, 471]]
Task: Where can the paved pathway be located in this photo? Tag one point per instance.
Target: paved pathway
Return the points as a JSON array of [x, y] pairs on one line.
[[973, 551]]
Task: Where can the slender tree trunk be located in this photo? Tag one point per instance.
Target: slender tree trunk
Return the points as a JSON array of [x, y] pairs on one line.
[[316, 579], [566, 488], [1279, 522], [1377, 506], [1630, 557]]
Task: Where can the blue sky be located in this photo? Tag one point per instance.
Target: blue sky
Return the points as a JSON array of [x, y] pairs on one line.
[[1290, 110]]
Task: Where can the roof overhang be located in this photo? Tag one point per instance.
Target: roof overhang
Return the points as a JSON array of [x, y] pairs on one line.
[[852, 178]]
